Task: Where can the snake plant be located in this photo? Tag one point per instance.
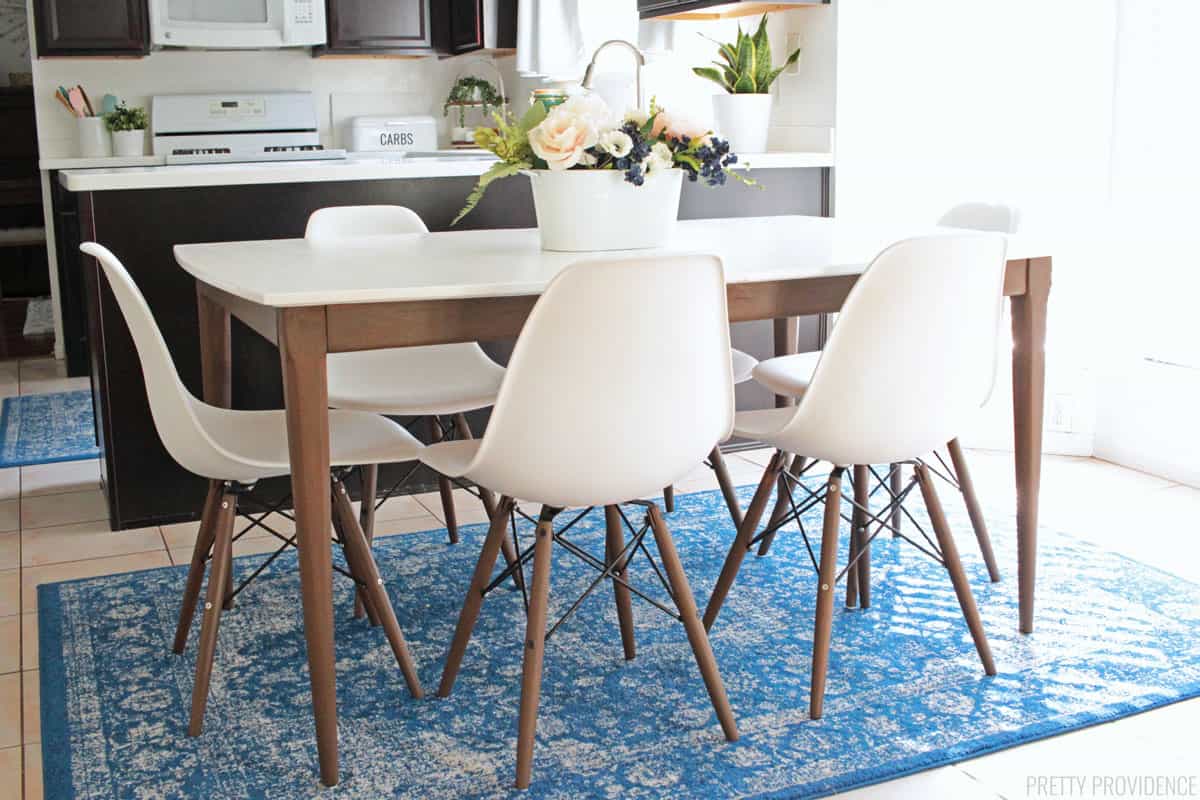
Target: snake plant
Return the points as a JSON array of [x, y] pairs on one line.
[[746, 67]]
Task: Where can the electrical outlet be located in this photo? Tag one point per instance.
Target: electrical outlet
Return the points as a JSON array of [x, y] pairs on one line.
[[794, 41], [1062, 413]]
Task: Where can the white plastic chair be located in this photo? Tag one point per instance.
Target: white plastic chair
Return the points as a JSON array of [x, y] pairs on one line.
[[617, 358], [434, 382], [234, 449], [743, 370], [899, 376], [789, 376]]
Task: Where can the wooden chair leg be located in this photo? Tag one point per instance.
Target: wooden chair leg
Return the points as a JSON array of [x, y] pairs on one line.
[[782, 506], [343, 537], [962, 586], [860, 534], [823, 627], [227, 598], [669, 498], [535, 646], [852, 567], [974, 510], [195, 577], [897, 481], [726, 483], [489, 505], [223, 521], [741, 542], [696, 634], [366, 521], [362, 566], [445, 486], [474, 599], [614, 543]]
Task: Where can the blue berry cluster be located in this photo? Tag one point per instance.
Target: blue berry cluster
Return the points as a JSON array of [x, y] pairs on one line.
[[631, 164], [714, 158]]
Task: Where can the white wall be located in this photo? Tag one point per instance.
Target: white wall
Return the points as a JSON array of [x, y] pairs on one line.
[[1150, 387], [946, 101]]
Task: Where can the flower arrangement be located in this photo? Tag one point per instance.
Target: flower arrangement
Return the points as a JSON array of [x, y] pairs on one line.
[[583, 134]]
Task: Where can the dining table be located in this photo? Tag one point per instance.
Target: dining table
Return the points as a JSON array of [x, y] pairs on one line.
[[312, 299]]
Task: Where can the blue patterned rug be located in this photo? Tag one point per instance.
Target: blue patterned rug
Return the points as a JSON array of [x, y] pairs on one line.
[[44, 428], [906, 691]]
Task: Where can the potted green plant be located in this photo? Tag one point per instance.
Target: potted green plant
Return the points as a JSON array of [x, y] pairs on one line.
[[128, 128], [466, 93], [745, 72]]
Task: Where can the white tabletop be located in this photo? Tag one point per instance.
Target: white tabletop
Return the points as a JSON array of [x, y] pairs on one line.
[[496, 263]]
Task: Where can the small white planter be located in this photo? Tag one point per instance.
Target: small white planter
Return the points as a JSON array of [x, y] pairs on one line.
[[129, 144], [744, 120], [588, 210]]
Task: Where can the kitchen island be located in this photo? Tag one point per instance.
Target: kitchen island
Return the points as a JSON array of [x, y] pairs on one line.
[[140, 213]]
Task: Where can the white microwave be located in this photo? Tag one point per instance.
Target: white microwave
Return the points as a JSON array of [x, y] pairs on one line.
[[237, 24]]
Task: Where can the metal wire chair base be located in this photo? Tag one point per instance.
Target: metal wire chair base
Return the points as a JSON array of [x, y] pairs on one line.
[[620, 561], [880, 520]]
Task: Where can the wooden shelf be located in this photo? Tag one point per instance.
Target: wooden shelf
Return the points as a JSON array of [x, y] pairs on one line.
[[731, 11]]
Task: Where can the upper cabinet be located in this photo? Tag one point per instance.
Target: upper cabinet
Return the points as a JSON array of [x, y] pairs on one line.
[[86, 27], [715, 9], [419, 27], [392, 26]]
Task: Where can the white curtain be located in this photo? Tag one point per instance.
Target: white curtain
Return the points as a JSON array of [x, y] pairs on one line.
[[556, 38]]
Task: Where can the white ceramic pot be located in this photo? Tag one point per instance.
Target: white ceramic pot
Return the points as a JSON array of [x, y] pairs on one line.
[[586, 210], [128, 144], [94, 139], [744, 120]]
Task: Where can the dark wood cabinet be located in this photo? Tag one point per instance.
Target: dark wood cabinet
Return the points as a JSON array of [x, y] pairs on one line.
[[416, 27], [88, 27], [395, 26], [458, 26]]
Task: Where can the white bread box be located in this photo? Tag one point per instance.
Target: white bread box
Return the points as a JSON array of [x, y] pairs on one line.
[[395, 134]]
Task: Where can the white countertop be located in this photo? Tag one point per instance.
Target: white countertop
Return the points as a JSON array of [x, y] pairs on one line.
[[492, 263], [150, 174]]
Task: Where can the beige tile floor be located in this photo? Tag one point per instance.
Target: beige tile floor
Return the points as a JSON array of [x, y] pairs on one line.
[[52, 528]]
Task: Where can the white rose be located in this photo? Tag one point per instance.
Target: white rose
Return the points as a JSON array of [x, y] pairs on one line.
[[660, 158], [616, 143], [591, 107], [637, 116], [562, 139]]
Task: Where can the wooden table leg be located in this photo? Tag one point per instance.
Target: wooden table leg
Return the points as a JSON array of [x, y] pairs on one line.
[[302, 351], [1029, 387], [216, 378]]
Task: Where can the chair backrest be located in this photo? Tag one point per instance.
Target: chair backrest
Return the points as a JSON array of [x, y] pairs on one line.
[[620, 384], [900, 373], [172, 406], [338, 223], [982, 217], [994, 218]]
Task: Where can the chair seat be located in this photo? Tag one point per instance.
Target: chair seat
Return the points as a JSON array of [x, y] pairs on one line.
[[255, 442], [414, 381], [451, 458], [788, 376], [762, 424], [743, 366]]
